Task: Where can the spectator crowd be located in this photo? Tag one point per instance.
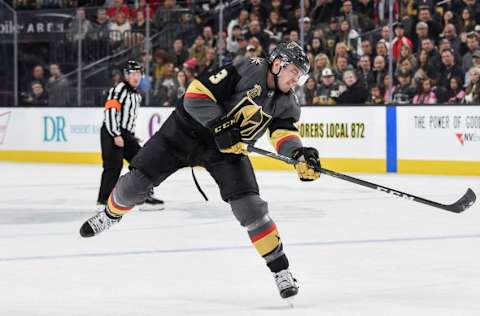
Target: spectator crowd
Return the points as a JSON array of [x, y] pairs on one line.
[[435, 47]]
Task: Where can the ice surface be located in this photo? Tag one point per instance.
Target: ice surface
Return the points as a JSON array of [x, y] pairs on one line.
[[355, 251]]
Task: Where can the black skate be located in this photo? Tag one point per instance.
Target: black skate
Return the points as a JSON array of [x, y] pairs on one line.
[[152, 203], [286, 283], [97, 224]]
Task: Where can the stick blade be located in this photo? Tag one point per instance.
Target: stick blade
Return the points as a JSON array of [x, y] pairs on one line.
[[467, 200]]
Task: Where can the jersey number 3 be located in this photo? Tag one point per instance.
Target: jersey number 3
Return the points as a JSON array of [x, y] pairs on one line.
[[219, 76]]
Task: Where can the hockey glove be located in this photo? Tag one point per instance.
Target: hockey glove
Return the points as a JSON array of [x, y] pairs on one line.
[[228, 138], [309, 163]]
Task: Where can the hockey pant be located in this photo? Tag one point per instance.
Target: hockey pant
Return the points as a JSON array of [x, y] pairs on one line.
[[176, 145]]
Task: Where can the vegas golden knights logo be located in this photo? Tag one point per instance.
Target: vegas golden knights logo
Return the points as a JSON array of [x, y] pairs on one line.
[[249, 115]]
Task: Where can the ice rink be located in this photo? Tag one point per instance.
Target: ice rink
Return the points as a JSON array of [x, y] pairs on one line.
[[355, 251]]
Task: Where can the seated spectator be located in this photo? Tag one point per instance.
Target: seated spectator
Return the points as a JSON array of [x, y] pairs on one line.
[[329, 90], [331, 34], [165, 87], [472, 91], [467, 21], [448, 69], [307, 92], [406, 54], [450, 33], [317, 44], [293, 35], [380, 70], [138, 31], [179, 53], [473, 44], [160, 59], [276, 27], [210, 61], [280, 9], [198, 50], [37, 96], [405, 65], [376, 95], [79, 27], [307, 29], [356, 93], [208, 37], [242, 22], [233, 40], [366, 49], [400, 41], [425, 93], [381, 48], [57, 87], [119, 27], [425, 68], [341, 65], [387, 87], [350, 15], [320, 62], [255, 30], [365, 72], [100, 27], [425, 15], [475, 62], [181, 85], [341, 49], [38, 75], [421, 34], [404, 91], [456, 93], [139, 24], [349, 37]]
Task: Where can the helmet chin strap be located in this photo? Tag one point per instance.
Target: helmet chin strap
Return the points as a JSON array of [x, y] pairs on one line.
[[275, 76]]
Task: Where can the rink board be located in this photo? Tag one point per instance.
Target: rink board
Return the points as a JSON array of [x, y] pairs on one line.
[[443, 140], [433, 140]]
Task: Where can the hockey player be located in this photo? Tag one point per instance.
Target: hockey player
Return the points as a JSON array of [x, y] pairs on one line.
[[221, 112], [117, 135]]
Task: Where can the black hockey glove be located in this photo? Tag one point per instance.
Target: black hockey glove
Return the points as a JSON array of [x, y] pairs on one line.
[[308, 168], [228, 138]]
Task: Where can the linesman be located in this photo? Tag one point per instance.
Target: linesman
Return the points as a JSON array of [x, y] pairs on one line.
[[117, 135]]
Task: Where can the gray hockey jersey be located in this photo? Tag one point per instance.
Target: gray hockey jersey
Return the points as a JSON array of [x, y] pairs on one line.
[[236, 90]]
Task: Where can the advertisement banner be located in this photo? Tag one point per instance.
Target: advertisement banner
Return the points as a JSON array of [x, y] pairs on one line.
[[65, 129], [342, 132], [446, 133], [348, 139]]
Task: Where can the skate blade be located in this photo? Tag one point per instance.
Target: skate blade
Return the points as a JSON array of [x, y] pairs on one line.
[[290, 301], [150, 208]]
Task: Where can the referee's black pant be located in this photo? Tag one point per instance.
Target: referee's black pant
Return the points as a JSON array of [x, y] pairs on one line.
[[112, 157]]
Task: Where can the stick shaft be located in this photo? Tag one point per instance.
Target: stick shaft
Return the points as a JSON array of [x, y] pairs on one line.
[[456, 207]]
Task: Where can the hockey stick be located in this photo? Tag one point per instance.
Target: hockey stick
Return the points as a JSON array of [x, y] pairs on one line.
[[461, 205]]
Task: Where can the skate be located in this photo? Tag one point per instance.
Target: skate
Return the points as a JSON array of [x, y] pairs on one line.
[[97, 224], [151, 203], [287, 284]]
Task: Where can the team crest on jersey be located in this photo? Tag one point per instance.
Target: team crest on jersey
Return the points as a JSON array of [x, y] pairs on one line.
[[249, 115], [252, 120], [256, 60]]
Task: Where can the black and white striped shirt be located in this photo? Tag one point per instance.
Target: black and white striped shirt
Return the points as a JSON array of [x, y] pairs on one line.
[[121, 109]]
